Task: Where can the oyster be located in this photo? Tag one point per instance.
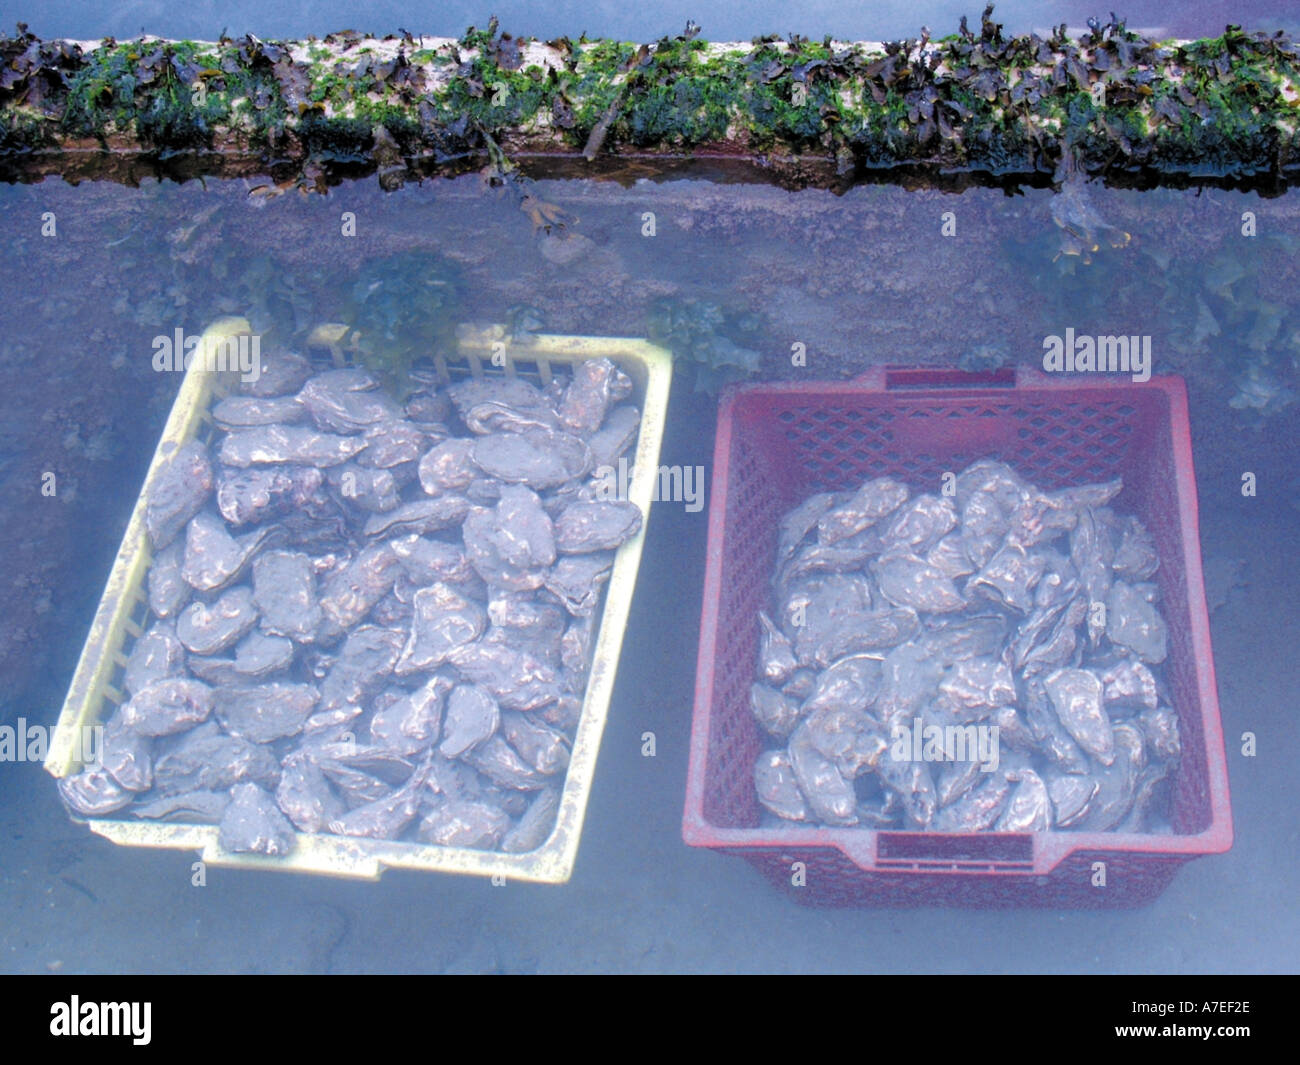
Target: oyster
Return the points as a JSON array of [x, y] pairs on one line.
[[873, 501], [1129, 685], [206, 759], [177, 493], [511, 545], [282, 373], [913, 783], [613, 438], [537, 458], [513, 405], [209, 630], [777, 714], [167, 588], [1160, 728], [265, 492], [265, 712], [535, 824], [93, 793], [852, 739], [346, 401], [906, 580], [305, 796], [242, 412], [1071, 795], [127, 756], [156, 655], [299, 445], [596, 385], [776, 660], [256, 655], [1116, 783], [518, 679], [979, 684], [921, 523], [361, 669], [576, 580], [777, 787], [601, 526], [252, 823], [1029, 809], [477, 825], [444, 620], [374, 490], [977, 809], [1076, 697], [420, 516], [448, 467], [1009, 577], [799, 522], [191, 807], [349, 593], [1092, 553], [167, 706], [386, 817], [284, 592], [214, 558], [829, 795], [542, 748], [392, 444], [1135, 557], [414, 721], [821, 614], [426, 561], [852, 683], [1132, 621]]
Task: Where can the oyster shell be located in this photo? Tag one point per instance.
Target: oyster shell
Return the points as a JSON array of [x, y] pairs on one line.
[[346, 401], [177, 493], [537, 458], [284, 592], [168, 591], [209, 630], [778, 788], [265, 492], [157, 654], [265, 712], [167, 706], [599, 526], [288, 444], [242, 412], [444, 620], [513, 544]]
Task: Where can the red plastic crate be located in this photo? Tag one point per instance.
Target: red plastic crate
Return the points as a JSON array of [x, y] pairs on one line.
[[779, 443]]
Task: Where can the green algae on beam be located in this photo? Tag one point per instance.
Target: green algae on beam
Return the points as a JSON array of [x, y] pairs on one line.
[[975, 101]]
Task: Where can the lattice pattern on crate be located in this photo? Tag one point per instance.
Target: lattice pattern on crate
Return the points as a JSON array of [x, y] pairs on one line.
[[753, 508], [1153, 497], [1054, 443], [831, 879]]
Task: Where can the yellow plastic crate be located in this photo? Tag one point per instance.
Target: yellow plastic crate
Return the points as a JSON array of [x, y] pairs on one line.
[[95, 691]]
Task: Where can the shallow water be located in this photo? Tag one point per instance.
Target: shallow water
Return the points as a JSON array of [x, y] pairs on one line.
[[860, 279]]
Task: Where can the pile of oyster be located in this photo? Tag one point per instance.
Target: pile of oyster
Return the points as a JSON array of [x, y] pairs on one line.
[[369, 618], [980, 659]]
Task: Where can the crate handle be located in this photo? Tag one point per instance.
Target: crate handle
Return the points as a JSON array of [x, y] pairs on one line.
[[907, 378]]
